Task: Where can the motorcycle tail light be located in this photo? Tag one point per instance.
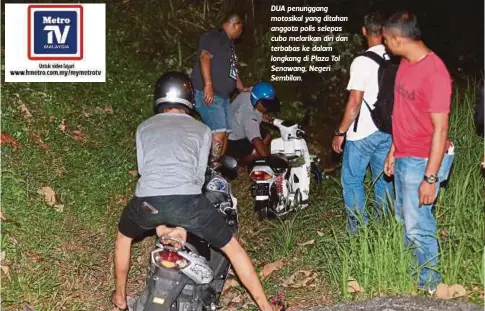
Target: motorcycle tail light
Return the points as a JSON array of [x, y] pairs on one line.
[[170, 259], [260, 176]]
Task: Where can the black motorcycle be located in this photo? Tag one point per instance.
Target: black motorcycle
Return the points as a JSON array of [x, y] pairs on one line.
[[190, 276]]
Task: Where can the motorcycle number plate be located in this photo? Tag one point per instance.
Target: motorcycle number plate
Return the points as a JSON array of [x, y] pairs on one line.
[[260, 189]]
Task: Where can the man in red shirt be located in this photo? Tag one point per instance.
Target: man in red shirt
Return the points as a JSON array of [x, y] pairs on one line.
[[421, 156]]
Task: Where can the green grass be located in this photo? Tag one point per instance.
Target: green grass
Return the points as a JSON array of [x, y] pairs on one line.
[[63, 260]]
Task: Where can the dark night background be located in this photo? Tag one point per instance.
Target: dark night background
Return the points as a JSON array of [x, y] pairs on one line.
[[453, 29]]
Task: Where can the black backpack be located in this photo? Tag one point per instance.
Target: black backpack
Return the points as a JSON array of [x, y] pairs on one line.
[[386, 76]]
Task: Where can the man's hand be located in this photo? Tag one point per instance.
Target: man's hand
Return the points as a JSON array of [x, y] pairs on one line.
[[267, 119], [426, 193], [337, 142], [389, 164], [208, 94], [260, 147]]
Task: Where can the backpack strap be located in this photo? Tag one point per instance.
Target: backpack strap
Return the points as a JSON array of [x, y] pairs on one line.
[[374, 56], [379, 60], [358, 115]]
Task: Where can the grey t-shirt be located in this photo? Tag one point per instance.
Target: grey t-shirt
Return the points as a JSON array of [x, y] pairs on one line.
[[223, 63], [172, 151], [245, 118]]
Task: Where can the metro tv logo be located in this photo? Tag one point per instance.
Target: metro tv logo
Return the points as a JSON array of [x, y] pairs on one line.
[[55, 32]]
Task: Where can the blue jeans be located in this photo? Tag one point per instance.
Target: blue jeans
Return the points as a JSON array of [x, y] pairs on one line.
[[419, 222], [357, 156], [216, 116]]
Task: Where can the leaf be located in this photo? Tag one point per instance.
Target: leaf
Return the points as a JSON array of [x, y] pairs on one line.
[[5, 270], [229, 284], [237, 299], [108, 109], [25, 111], [446, 292], [291, 281], [59, 208], [28, 308], [271, 267], [79, 135], [39, 141], [7, 139], [51, 199], [62, 125], [457, 290], [33, 256], [311, 242], [2, 218], [442, 291], [133, 172], [49, 195], [320, 234], [354, 287]]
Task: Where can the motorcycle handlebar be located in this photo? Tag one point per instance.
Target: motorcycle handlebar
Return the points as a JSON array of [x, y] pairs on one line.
[[300, 134]]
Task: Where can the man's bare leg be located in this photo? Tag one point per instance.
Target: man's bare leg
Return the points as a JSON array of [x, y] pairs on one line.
[[247, 274], [122, 266], [224, 147], [217, 148]]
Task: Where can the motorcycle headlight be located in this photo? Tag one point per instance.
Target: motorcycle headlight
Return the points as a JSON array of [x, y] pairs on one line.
[[217, 184]]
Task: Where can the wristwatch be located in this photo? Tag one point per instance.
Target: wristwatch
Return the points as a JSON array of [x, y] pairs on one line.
[[337, 133], [431, 179]]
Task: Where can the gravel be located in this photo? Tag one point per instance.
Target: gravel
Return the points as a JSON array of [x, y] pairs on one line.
[[414, 303]]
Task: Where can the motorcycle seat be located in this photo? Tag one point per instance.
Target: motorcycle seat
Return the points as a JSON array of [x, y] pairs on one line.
[[277, 161]]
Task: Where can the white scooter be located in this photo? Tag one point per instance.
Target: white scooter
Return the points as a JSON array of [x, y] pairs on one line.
[[281, 182]]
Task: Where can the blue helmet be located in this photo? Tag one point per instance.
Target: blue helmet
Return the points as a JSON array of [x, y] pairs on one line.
[[265, 92]]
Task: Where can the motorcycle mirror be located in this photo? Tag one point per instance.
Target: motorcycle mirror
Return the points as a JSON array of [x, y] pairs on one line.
[[228, 167], [228, 162]]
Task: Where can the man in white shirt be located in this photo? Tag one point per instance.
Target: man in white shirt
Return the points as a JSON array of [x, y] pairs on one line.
[[365, 144]]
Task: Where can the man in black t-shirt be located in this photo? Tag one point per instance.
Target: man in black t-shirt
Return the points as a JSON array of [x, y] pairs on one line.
[[215, 76]]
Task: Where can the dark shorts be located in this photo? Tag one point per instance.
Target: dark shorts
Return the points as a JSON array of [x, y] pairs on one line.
[[194, 213], [239, 148]]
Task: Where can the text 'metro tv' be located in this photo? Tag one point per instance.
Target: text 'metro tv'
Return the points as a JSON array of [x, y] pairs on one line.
[[55, 32]]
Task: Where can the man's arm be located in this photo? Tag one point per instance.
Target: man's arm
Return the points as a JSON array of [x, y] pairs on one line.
[[207, 48], [438, 95], [240, 86], [260, 147], [438, 142], [351, 110], [253, 133], [389, 161], [205, 66]]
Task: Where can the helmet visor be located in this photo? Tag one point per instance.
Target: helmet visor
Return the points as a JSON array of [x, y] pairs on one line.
[[271, 105]]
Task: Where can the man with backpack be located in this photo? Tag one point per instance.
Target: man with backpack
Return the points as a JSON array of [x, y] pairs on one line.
[[421, 155], [367, 136]]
